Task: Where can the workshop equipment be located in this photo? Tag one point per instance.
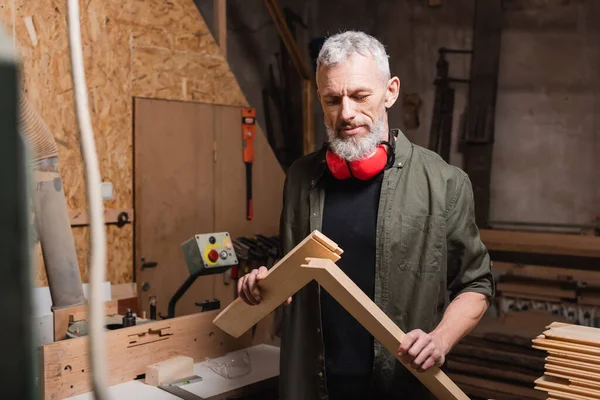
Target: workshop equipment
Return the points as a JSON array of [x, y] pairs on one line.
[[254, 252], [314, 259], [205, 254], [248, 133], [440, 134]]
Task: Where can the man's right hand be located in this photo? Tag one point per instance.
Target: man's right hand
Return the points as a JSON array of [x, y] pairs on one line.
[[248, 286]]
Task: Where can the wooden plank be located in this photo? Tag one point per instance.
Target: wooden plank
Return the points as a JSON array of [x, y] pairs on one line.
[[366, 312], [561, 395], [497, 387], [590, 278], [531, 296], [62, 316], [575, 381], [130, 350], [111, 215], [546, 290], [568, 354], [589, 299], [576, 334], [559, 385], [284, 279], [558, 344], [220, 21], [566, 362], [573, 372], [541, 243]]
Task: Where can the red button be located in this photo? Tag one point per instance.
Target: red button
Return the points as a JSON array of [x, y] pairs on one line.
[[213, 255]]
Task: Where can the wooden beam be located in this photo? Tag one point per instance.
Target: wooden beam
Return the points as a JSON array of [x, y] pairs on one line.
[[111, 216], [131, 350], [366, 312], [541, 243], [220, 18]]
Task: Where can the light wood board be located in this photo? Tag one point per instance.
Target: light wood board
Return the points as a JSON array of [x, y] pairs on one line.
[[561, 345], [284, 279], [565, 362], [366, 312], [575, 333], [562, 386], [131, 350], [541, 243]]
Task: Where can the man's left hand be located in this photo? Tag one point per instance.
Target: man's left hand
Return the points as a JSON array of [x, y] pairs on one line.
[[421, 350]]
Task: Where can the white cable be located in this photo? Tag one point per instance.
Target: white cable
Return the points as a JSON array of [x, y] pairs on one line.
[[97, 259]]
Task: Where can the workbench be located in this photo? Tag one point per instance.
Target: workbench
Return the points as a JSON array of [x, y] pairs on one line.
[[264, 360]]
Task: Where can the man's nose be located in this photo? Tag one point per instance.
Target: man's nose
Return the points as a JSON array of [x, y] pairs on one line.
[[348, 109]]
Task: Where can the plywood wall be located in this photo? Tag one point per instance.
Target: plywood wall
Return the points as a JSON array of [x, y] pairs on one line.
[[132, 48]]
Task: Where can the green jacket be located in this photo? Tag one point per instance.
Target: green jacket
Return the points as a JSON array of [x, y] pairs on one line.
[[428, 252]]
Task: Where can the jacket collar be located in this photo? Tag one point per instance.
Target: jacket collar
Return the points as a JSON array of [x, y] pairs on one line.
[[402, 153]]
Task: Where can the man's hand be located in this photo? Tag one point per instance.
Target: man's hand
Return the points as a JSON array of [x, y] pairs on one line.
[[421, 350], [248, 286]]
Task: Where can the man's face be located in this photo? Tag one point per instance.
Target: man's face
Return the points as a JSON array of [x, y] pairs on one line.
[[354, 98]]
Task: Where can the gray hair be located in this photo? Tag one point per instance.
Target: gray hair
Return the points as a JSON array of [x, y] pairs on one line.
[[339, 47]]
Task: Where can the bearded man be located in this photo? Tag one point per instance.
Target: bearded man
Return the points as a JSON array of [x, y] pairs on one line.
[[405, 220]]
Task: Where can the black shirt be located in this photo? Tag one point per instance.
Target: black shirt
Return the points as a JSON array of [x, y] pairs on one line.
[[350, 220]]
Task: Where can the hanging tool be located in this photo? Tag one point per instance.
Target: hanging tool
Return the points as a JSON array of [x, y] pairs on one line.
[[248, 132]]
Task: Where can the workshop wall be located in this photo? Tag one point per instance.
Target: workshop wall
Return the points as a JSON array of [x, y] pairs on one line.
[[132, 48], [547, 121]]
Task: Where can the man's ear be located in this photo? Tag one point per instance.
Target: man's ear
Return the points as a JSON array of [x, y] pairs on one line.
[[392, 92]]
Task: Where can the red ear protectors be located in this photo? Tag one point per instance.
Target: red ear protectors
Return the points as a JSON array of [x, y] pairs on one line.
[[363, 169]]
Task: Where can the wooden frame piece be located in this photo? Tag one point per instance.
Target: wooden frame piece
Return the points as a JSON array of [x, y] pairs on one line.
[[130, 350], [285, 278], [294, 272]]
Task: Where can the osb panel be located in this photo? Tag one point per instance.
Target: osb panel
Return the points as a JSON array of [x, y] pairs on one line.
[[176, 25], [160, 73], [6, 16], [147, 48]]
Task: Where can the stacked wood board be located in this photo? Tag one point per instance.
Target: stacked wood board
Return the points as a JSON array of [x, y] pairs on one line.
[[496, 360], [572, 368]]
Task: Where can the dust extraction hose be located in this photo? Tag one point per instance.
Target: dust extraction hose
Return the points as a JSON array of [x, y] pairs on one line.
[[51, 218]]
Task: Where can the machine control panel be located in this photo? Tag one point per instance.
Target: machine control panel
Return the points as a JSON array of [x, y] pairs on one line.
[[209, 251]]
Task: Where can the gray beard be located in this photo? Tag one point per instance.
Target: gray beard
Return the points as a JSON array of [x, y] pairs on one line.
[[353, 148]]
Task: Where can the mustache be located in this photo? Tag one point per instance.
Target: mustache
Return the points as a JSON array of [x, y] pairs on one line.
[[349, 125]]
